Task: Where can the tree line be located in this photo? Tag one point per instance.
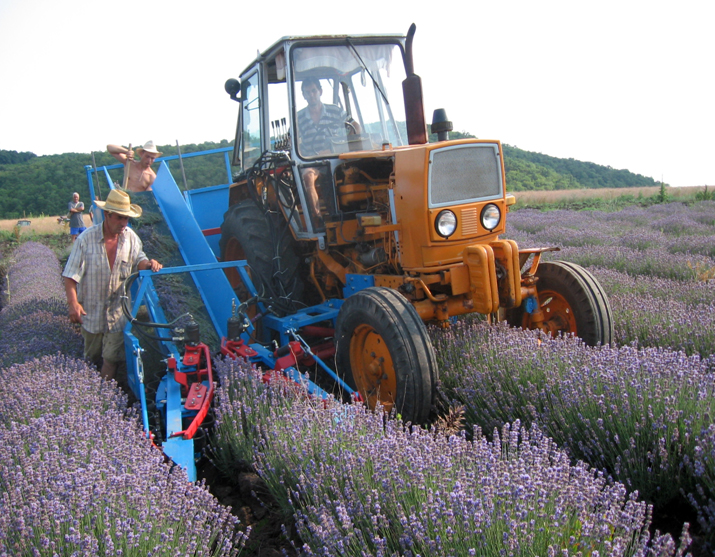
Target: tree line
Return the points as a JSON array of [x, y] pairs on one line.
[[32, 185], [527, 171]]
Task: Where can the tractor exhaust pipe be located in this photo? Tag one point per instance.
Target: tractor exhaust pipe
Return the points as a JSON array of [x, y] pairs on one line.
[[412, 91]]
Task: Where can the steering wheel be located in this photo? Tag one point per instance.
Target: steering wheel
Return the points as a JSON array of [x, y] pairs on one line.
[[352, 127]]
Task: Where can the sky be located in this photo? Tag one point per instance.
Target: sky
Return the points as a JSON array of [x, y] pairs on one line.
[[628, 84]]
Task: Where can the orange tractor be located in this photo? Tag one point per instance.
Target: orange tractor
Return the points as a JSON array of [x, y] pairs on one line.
[[340, 197]]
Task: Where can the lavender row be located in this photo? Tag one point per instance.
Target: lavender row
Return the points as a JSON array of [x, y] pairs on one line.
[[693, 293], [651, 322], [33, 321], [359, 483], [651, 262], [34, 274], [702, 466], [655, 263], [671, 241], [82, 479], [54, 385], [660, 312], [635, 413], [672, 220], [115, 495], [37, 334]]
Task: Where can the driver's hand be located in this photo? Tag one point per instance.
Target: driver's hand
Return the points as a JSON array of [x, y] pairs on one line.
[[353, 127]]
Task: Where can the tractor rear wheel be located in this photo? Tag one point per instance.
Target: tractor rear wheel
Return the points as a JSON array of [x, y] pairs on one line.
[[384, 352], [268, 246], [572, 301]]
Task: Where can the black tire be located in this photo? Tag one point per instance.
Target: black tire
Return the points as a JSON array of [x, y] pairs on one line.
[[384, 352], [573, 301], [268, 246]]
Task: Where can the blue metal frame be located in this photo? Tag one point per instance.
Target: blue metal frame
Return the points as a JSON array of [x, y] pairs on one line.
[[168, 397], [104, 170], [328, 310]]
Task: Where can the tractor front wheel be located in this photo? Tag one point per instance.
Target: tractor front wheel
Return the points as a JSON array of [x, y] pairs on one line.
[[384, 352], [571, 302]]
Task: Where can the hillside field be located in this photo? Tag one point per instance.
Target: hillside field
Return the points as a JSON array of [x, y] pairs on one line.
[[553, 196]]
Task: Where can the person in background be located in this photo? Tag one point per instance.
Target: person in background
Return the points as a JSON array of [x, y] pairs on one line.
[[100, 260], [76, 208], [141, 176]]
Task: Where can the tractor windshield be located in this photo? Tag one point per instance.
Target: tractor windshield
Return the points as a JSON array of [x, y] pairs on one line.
[[348, 98]]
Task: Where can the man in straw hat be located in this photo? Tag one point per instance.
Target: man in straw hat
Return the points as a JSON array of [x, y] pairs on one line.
[[140, 175], [100, 260]]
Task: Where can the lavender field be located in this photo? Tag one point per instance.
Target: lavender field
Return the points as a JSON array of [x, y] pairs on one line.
[[550, 447], [585, 448], [77, 475], [657, 265]]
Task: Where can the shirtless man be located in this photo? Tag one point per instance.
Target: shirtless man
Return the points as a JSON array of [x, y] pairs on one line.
[[141, 175]]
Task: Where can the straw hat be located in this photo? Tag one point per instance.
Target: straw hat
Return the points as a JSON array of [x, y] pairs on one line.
[[149, 147], [118, 202]]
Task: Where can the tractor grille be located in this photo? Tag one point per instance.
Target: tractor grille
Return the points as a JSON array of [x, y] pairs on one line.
[[470, 222], [464, 173]]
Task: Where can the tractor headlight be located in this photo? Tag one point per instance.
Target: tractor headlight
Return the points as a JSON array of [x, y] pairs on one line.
[[491, 216], [446, 223]]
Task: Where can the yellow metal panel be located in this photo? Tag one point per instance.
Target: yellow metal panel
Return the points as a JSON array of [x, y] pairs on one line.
[[389, 281], [410, 196], [506, 252], [480, 260], [469, 221], [460, 279]]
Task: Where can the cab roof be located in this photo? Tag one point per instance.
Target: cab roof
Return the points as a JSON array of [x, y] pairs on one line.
[[317, 39]]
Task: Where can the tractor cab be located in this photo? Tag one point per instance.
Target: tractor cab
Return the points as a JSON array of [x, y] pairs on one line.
[[307, 100]]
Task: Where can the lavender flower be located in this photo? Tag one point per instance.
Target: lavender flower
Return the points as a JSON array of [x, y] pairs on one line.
[[34, 322], [359, 483], [634, 413], [34, 274], [668, 241], [702, 466], [87, 482], [54, 385], [38, 334]]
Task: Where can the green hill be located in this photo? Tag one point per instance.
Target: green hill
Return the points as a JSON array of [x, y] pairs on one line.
[[33, 185], [533, 171]]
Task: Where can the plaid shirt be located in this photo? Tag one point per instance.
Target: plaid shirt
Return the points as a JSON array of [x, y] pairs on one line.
[[98, 287], [317, 138]]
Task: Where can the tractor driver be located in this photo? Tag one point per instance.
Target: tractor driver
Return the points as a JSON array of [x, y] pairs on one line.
[[318, 125]]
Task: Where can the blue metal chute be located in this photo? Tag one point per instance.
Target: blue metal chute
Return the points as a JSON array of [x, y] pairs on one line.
[[213, 285]]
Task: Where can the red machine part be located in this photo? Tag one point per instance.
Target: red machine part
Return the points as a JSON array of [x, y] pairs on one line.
[[198, 396], [235, 348]]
